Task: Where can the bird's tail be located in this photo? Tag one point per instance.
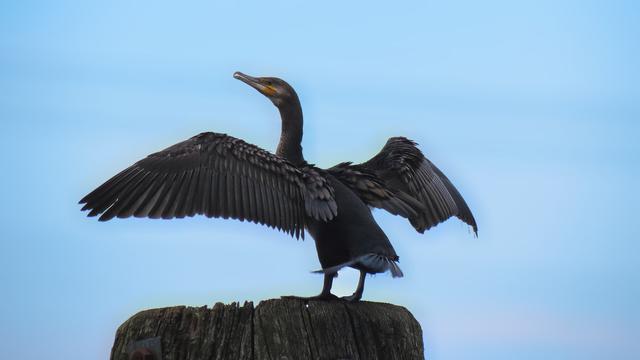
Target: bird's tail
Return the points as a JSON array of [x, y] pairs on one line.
[[371, 263]]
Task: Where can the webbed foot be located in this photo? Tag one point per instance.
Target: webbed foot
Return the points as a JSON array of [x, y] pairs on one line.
[[321, 297], [352, 298]]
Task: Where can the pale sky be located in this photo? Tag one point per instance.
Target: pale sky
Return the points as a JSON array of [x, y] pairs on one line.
[[531, 109]]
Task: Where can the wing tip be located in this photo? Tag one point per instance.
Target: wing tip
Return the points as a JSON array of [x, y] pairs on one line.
[[471, 221]]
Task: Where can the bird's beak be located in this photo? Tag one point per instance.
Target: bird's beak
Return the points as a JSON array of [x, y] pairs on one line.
[[255, 83]]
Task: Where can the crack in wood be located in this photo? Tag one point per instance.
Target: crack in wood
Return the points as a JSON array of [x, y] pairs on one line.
[[277, 329], [353, 331]]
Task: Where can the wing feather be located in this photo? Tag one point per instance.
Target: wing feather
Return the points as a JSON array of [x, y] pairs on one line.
[[218, 176], [154, 195], [402, 166], [163, 196], [401, 180]]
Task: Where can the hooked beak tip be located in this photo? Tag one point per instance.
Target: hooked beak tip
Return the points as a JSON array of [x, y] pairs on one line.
[[250, 80]]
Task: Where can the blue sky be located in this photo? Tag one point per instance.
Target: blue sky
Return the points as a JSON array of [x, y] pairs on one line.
[[531, 108]]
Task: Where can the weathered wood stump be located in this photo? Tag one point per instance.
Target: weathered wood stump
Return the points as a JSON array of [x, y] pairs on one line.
[[276, 329]]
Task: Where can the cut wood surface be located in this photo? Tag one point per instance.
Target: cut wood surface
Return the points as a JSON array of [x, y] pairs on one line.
[[277, 329]]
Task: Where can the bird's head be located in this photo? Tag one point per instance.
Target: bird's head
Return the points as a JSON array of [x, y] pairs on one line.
[[277, 90]]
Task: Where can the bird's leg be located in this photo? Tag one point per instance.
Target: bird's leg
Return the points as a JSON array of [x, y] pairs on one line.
[[325, 294], [326, 288], [357, 295]]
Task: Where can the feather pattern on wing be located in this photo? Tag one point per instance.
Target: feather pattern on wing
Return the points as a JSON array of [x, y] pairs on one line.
[[216, 175], [374, 192], [402, 170]]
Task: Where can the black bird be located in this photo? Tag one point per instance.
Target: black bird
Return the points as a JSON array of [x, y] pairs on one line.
[[217, 175]]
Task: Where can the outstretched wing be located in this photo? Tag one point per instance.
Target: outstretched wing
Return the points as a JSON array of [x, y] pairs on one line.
[[374, 191], [404, 170], [218, 176]]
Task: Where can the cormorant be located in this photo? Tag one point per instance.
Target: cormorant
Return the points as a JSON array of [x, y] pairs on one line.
[[217, 175]]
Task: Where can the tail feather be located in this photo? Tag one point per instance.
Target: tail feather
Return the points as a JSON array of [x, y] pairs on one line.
[[374, 262], [395, 269]]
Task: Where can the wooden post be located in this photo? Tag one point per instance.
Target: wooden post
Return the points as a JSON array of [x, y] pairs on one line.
[[277, 329]]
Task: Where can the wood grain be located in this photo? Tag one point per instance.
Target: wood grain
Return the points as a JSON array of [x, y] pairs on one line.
[[277, 329]]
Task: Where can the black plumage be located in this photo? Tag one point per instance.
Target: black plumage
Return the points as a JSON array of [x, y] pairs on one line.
[[217, 175]]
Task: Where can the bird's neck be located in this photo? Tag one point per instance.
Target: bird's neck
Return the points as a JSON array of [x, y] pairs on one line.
[[290, 146]]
